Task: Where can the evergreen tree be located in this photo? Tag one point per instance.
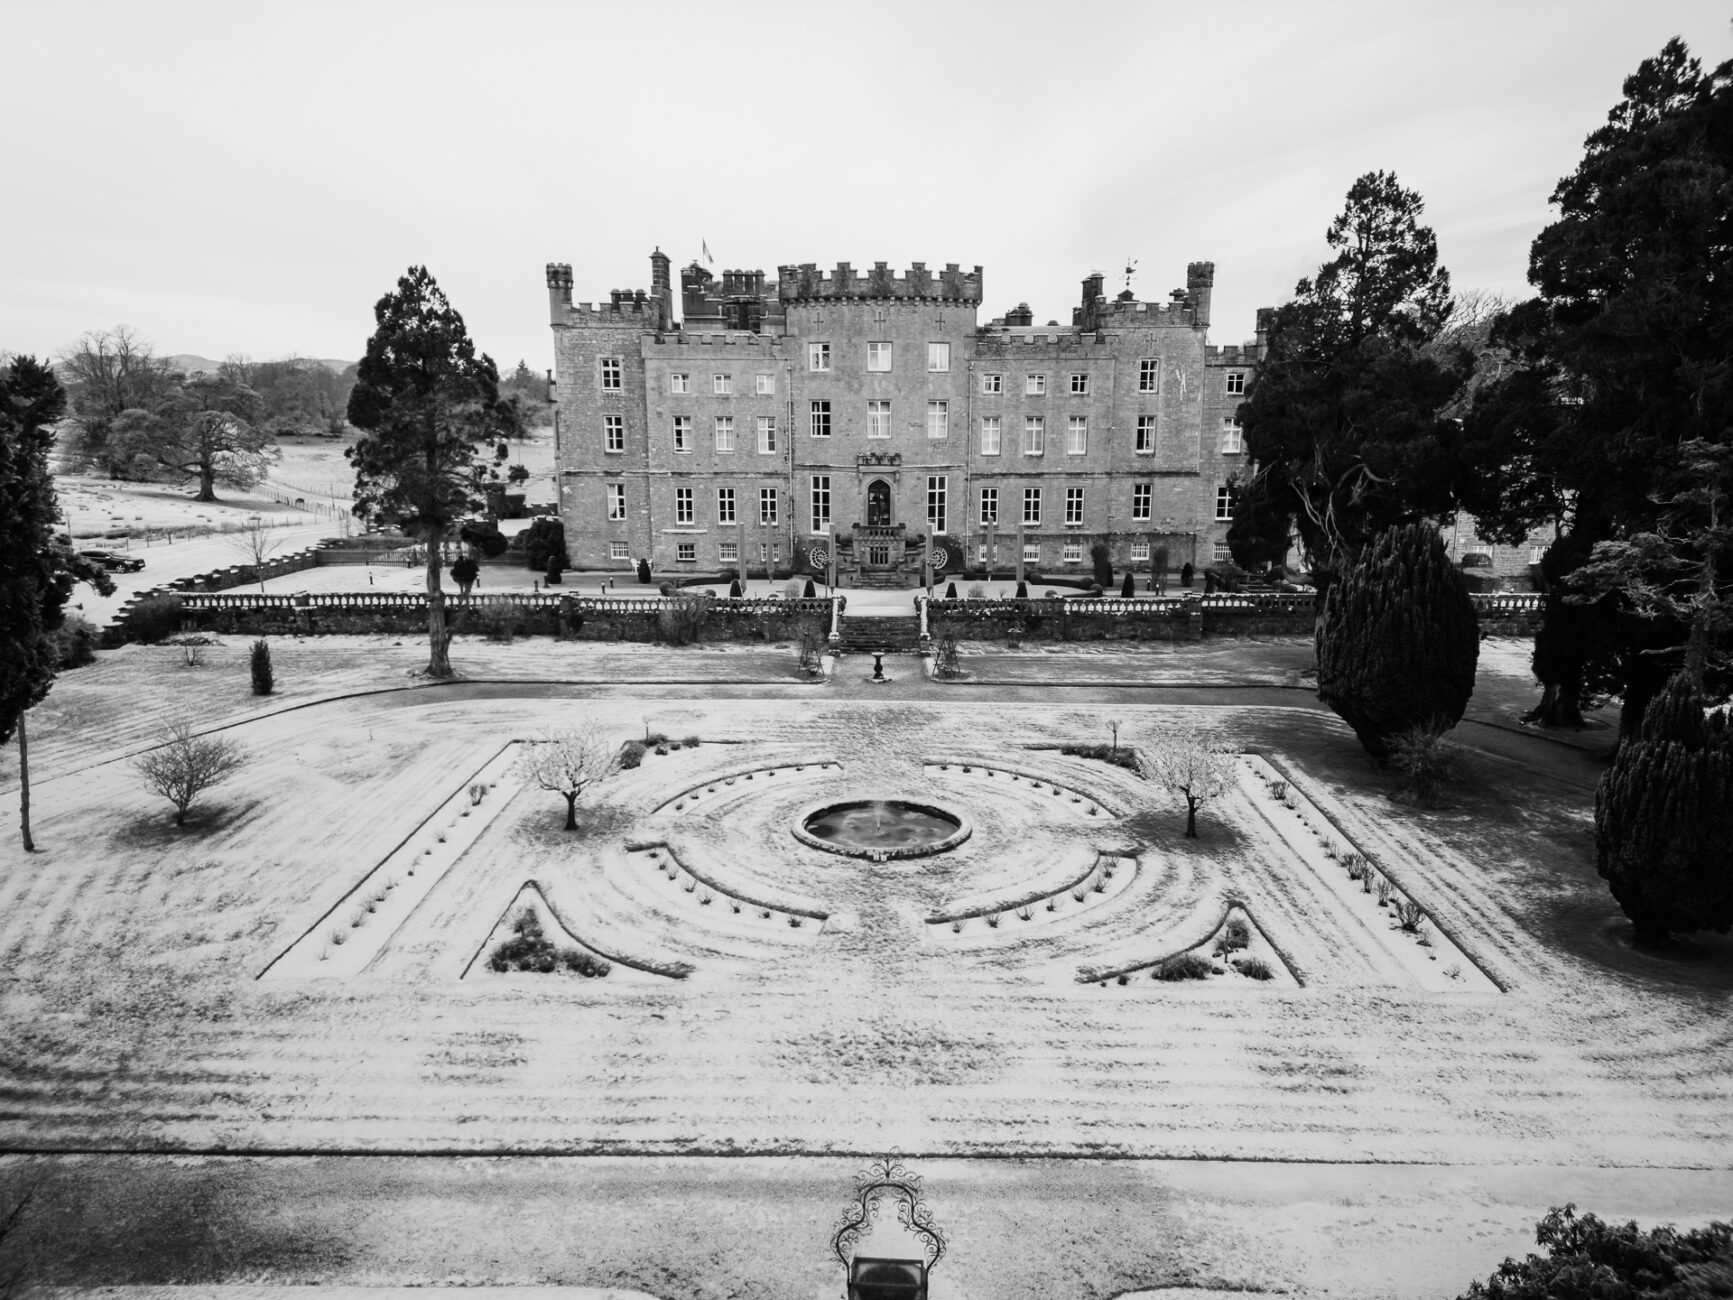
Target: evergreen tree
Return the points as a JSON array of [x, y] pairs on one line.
[[1344, 417], [1622, 357], [1398, 639], [37, 570], [427, 405]]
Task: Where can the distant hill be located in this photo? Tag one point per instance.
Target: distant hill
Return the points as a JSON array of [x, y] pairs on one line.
[[194, 364]]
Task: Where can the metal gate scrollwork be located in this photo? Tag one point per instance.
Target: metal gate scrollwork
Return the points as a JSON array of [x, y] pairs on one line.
[[887, 1176]]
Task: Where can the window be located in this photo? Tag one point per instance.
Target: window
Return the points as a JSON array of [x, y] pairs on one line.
[[1079, 384], [1072, 553], [1147, 371], [1031, 505], [989, 435], [820, 502], [767, 506], [989, 506], [683, 513], [1140, 498], [1145, 445], [938, 356], [686, 552], [818, 356], [1224, 502], [764, 385], [992, 385], [1031, 552], [1074, 506], [725, 433], [679, 383], [619, 551], [1233, 435], [611, 373], [1236, 381], [936, 513], [1140, 551], [1034, 435], [878, 356], [728, 552], [722, 385], [1035, 385], [614, 432], [767, 434], [1221, 552], [724, 505], [821, 419], [616, 500], [1077, 435], [938, 419], [1535, 554], [878, 419], [683, 433]]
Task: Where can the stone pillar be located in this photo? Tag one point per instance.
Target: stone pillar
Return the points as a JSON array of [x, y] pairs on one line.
[[1019, 552]]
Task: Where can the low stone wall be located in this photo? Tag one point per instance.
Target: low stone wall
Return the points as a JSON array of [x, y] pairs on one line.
[[1185, 618], [586, 618]]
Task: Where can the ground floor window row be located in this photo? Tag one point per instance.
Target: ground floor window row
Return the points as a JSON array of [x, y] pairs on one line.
[[1040, 552], [1031, 504]]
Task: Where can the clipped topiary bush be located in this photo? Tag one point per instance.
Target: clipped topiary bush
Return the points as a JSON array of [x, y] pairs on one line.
[[1664, 819], [1101, 562], [264, 681], [154, 618], [1128, 588], [1398, 639], [545, 540]]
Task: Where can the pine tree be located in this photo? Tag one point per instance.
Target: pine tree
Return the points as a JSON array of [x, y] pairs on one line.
[[427, 404], [37, 570], [1398, 639]]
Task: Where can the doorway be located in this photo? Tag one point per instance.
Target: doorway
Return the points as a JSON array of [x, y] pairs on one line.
[[878, 504]]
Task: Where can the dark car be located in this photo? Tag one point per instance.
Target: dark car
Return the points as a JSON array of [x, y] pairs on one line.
[[114, 561]]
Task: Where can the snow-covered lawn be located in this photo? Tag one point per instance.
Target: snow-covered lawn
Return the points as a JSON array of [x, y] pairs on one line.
[[132, 953]]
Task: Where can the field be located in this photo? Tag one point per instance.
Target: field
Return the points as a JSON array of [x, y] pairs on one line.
[[253, 988]]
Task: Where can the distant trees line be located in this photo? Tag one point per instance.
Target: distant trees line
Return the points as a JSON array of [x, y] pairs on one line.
[[136, 415]]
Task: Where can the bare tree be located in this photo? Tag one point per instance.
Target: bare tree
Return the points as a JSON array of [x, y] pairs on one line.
[[1193, 766], [187, 765], [567, 763], [255, 544]]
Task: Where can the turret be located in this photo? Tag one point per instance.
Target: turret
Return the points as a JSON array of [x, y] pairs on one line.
[[662, 286], [559, 291], [1200, 278]]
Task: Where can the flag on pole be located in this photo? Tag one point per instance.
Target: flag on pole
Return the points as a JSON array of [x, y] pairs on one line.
[[706, 247]]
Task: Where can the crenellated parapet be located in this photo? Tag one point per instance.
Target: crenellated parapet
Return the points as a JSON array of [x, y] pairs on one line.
[[806, 283]]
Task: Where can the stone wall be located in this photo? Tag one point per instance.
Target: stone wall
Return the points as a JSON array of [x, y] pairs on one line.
[[586, 618], [1187, 618]]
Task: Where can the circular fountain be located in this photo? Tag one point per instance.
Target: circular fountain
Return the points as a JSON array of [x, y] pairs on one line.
[[881, 829]]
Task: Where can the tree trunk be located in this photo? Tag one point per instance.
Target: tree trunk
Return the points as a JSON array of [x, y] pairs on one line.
[[1190, 818], [571, 812], [438, 635], [1558, 705], [207, 483], [24, 785]]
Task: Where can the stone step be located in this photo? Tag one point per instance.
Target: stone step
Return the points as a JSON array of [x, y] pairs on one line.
[[896, 634]]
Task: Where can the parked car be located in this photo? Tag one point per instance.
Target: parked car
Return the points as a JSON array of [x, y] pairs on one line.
[[115, 561]]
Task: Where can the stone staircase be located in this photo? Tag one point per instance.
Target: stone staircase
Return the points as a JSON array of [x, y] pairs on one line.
[[861, 635], [884, 580]]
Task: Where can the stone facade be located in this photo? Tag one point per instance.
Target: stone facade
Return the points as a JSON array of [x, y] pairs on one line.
[[869, 409]]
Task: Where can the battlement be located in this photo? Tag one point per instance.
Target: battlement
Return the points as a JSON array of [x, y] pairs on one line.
[[1233, 354], [806, 283]]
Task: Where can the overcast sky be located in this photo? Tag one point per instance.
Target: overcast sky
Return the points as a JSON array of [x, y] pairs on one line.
[[250, 176]]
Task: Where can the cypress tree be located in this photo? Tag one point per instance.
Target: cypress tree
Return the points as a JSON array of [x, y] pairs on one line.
[[1664, 819], [1398, 639], [264, 681]]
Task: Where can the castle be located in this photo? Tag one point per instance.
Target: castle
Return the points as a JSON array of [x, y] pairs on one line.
[[868, 410]]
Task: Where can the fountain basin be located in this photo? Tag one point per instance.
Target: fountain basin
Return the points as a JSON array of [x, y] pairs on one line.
[[880, 830]]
